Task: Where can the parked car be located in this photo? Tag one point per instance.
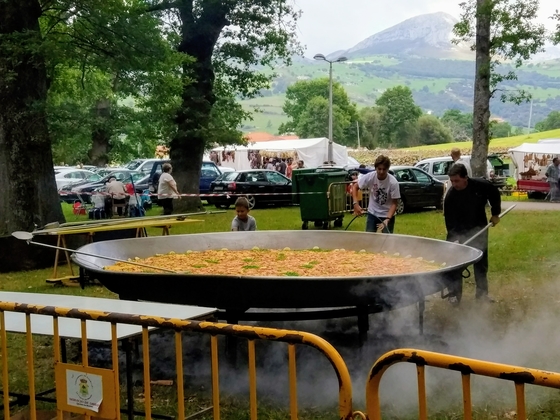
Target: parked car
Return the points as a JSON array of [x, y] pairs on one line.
[[439, 167], [65, 176], [418, 189], [83, 190], [250, 183], [208, 173]]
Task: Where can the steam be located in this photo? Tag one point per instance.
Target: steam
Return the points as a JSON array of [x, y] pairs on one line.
[[517, 332]]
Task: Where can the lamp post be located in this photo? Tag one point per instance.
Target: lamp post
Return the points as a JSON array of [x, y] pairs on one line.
[[321, 57]]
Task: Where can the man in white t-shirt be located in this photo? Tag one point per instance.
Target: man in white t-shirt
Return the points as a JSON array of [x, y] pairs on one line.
[[384, 194]]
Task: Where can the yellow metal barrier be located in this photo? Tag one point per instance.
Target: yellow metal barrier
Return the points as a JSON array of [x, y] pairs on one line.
[[467, 367], [110, 408]]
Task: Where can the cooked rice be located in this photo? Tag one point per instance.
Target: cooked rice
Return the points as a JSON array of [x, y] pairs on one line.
[[286, 262]]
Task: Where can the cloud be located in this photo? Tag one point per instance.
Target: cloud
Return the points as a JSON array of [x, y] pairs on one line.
[[328, 26]]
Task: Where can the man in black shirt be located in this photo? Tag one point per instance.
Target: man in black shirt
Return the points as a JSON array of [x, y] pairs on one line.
[[465, 215]]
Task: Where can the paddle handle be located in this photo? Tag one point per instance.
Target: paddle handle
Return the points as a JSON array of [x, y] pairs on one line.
[[485, 228]]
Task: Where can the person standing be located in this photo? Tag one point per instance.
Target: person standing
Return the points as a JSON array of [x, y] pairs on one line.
[[384, 193], [117, 191], [456, 156], [289, 168], [465, 215], [167, 189], [552, 174]]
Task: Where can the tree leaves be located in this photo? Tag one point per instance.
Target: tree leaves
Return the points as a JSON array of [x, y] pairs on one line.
[[307, 107]]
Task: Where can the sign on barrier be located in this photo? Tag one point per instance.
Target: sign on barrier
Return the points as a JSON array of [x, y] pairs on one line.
[[86, 390]]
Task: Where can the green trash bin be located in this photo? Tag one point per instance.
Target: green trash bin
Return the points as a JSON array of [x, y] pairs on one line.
[[321, 195]]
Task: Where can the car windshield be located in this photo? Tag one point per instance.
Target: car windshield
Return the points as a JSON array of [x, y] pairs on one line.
[[93, 178], [228, 176], [132, 165], [135, 177]]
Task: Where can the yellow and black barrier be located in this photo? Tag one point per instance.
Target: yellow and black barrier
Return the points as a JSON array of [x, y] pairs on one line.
[[84, 379], [466, 367]]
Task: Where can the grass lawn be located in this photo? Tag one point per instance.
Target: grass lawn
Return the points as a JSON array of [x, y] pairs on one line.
[[521, 328]]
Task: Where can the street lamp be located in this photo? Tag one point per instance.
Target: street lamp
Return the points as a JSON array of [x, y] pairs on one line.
[[321, 57]]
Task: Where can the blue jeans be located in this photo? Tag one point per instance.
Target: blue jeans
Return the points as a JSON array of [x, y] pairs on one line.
[[372, 222]]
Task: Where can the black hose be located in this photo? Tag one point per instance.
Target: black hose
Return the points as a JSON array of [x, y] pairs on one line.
[[355, 217]]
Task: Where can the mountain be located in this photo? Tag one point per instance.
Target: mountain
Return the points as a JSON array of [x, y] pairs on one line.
[[428, 35], [417, 53]]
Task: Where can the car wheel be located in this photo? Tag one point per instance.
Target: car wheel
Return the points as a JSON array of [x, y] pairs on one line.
[[400, 206], [222, 206], [252, 201]]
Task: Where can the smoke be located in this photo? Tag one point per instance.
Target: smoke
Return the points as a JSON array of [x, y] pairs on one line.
[[522, 330]]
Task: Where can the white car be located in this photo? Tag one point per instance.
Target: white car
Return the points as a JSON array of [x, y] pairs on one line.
[[65, 176]]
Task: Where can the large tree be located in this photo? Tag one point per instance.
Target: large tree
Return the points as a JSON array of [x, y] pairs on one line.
[[226, 39], [305, 95], [107, 59], [29, 195], [459, 124], [502, 30], [551, 122], [399, 115]]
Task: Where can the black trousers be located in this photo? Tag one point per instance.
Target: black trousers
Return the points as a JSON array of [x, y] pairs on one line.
[[480, 268], [167, 204]]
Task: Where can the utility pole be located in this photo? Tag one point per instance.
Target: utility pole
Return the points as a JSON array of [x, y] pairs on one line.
[[530, 117], [358, 131]]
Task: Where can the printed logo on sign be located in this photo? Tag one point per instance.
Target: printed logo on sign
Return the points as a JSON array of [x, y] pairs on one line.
[[84, 390], [84, 386]]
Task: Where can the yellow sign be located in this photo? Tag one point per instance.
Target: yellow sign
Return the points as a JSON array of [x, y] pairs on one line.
[[86, 390]]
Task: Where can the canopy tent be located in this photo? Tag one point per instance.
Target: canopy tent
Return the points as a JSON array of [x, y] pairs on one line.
[[531, 159], [313, 152]]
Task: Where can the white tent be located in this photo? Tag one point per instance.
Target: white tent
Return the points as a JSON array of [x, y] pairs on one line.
[[313, 152], [536, 156]]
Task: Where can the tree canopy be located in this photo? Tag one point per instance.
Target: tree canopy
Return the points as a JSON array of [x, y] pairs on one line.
[[551, 122], [498, 30], [306, 97], [399, 114]]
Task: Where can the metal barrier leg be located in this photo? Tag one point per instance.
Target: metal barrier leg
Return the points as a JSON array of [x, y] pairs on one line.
[[127, 345], [421, 310], [363, 323], [232, 317]]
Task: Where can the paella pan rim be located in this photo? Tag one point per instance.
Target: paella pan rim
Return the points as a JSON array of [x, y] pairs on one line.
[[82, 262]]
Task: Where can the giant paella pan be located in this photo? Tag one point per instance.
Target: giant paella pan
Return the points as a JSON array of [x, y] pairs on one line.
[[240, 291]]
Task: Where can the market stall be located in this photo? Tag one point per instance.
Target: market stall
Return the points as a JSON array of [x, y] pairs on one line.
[[313, 152], [531, 160]]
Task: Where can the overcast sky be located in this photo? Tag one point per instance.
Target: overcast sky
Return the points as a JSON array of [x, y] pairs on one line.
[[330, 25]]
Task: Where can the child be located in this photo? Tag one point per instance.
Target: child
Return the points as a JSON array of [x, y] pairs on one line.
[[243, 222]]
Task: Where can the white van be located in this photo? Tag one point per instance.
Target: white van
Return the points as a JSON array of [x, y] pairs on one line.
[[438, 168], [142, 165]]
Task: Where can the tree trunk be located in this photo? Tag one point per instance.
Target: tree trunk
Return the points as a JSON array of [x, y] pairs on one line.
[[193, 118], [28, 191], [101, 134], [482, 94]]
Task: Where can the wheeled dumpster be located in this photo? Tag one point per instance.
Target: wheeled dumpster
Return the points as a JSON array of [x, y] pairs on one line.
[[321, 195]]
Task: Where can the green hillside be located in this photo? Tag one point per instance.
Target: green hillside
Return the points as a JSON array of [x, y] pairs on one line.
[[502, 143], [412, 155], [437, 85]]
